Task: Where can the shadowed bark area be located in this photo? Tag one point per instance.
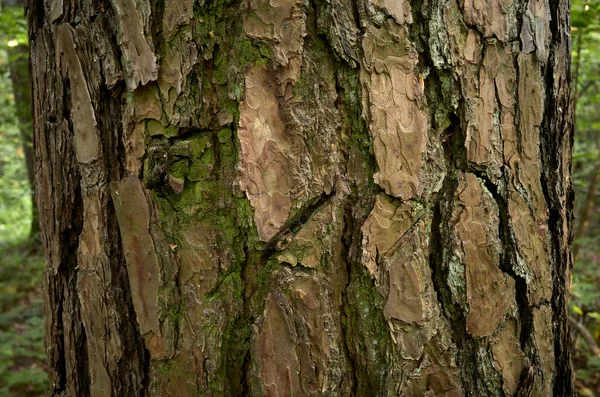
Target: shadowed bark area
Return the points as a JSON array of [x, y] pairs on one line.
[[353, 198]]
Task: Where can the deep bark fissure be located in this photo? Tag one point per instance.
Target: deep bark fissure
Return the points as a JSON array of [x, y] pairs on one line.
[[158, 10], [468, 357], [349, 90], [359, 285], [136, 357], [435, 94], [439, 271], [65, 280], [552, 133], [294, 224], [468, 348], [248, 319], [55, 292], [438, 97], [508, 254], [508, 259], [256, 262], [347, 243], [361, 290], [70, 271], [146, 372]]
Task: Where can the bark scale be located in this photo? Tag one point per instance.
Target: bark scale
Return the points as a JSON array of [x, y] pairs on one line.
[[304, 197]]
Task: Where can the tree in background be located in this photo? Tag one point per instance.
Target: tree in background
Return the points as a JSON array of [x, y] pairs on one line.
[[19, 75], [13, 35], [16, 147], [585, 304], [275, 198], [22, 356]]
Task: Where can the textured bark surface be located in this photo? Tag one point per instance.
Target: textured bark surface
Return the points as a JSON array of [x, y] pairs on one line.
[[353, 197]]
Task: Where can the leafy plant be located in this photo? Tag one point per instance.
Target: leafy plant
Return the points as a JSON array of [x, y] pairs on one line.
[[22, 356]]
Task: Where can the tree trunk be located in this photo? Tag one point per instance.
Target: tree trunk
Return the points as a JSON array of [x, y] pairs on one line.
[[353, 197], [585, 213]]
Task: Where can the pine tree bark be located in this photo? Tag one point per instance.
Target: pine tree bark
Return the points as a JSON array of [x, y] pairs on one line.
[[353, 198]]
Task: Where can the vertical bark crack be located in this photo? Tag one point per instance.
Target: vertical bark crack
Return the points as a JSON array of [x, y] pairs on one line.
[[347, 243], [508, 259], [80, 371], [247, 318], [556, 136]]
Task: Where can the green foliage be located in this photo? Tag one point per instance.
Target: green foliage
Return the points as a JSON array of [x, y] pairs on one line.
[[15, 197], [585, 291], [13, 32], [585, 17], [22, 357], [13, 25]]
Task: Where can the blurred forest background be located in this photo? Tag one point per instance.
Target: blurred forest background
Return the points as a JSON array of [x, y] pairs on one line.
[[585, 289], [22, 358]]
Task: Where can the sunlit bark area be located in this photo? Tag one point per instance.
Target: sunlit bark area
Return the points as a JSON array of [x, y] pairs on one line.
[[290, 198]]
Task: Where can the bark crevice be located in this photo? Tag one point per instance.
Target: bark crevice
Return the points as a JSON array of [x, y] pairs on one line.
[[556, 142], [347, 243]]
